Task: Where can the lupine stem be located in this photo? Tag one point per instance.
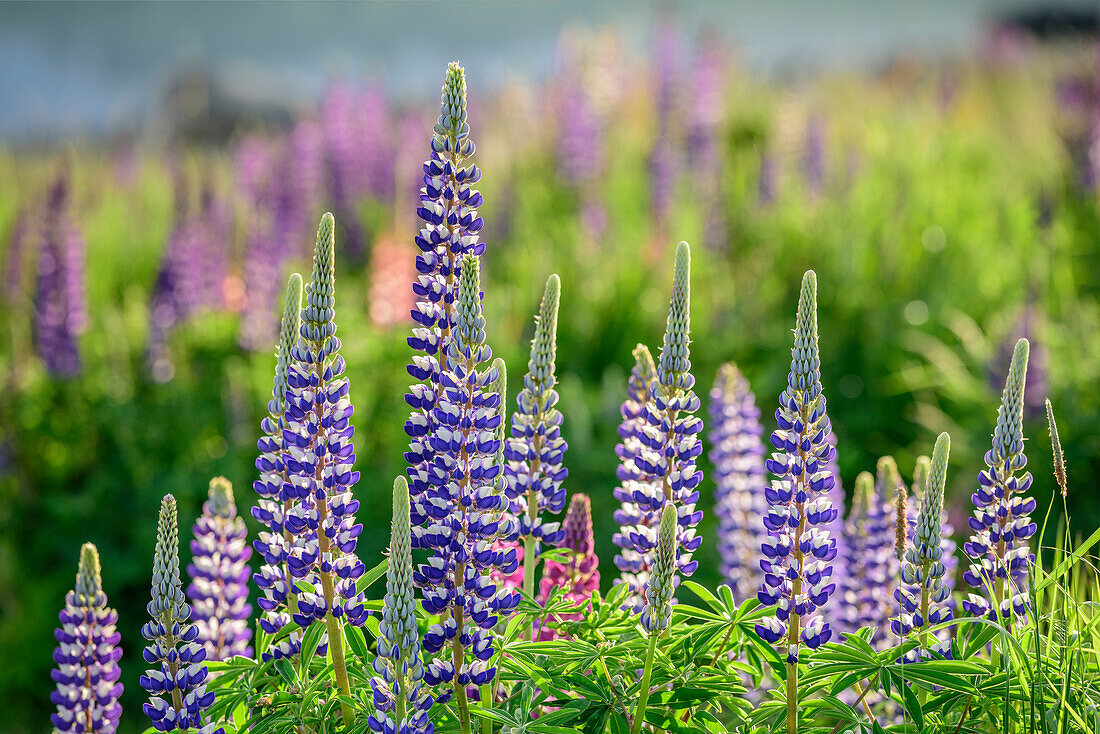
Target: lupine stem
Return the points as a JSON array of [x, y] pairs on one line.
[[647, 673]]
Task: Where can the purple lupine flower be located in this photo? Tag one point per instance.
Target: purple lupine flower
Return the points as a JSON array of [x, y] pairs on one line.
[[401, 705], [374, 126], [669, 435], [579, 576], [87, 655], [448, 209], [215, 232], [536, 450], [813, 157], [277, 496], [922, 593], [767, 188], [871, 569], [320, 455], [178, 698], [737, 454], [835, 528], [219, 576], [999, 547], [580, 143], [345, 162], [664, 160], [798, 553], [60, 312], [703, 138], [15, 258], [633, 564], [466, 503]]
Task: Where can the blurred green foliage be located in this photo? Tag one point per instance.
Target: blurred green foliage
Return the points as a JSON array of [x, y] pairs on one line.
[[935, 227]]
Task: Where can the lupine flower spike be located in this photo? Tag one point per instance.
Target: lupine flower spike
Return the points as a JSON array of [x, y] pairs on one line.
[[579, 576], [448, 210], [536, 450], [319, 461], [278, 497], [178, 698], [658, 600], [858, 599], [514, 579], [467, 509], [219, 576], [737, 454], [922, 593], [921, 471], [669, 434], [633, 564], [87, 654], [798, 553], [401, 704], [1001, 523]]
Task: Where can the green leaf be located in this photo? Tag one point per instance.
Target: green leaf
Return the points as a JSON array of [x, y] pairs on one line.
[[358, 643], [367, 579]]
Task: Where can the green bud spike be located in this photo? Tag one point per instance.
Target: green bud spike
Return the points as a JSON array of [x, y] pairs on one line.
[[452, 127], [288, 335], [805, 359], [470, 322], [1008, 436], [167, 591], [89, 583], [888, 477], [920, 476], [674, 371], [221, 498], [863, 494], [659, 589], [1056, 450], [319, 314], [540, 368], [644, 366]]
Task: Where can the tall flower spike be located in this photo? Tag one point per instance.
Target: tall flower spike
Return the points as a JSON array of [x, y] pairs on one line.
[[922, 593], [737, 454], [278, 497], [87, 654], [401, 706], [448, 209], [669, 434], [219, 576], [536, 450], [858, 601], [579, 576], [320, 454], [467, 506], [513, 579], [178, 698], [658, 591], [798, 553], [59, 302], [633, 564], [999, 546], [921, 470]]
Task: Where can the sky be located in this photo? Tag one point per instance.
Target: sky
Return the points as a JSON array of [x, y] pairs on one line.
[[92, 67]]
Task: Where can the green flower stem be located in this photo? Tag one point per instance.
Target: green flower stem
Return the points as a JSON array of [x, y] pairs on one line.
[[647, 673], [487, 704]]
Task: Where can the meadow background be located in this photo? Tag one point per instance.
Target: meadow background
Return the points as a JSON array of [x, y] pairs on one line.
[[948, 202]]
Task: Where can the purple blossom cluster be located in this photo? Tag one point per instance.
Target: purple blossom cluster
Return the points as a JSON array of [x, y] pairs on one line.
[[320, 455], [219, 576], [668, 440], [999, 549], [737, 454], [60, 312], [87, 655], [798, 551]]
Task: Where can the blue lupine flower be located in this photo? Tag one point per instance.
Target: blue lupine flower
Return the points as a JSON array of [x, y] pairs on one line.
[[922, 593], [536, 450], [87, 655], [466, 504], [999, 549], [633, 564], [219, 576], [320, 455], [277, 496], [178, 698], [669, 434], [401, 704], [448, 209], [798, 553], [737, 454]]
